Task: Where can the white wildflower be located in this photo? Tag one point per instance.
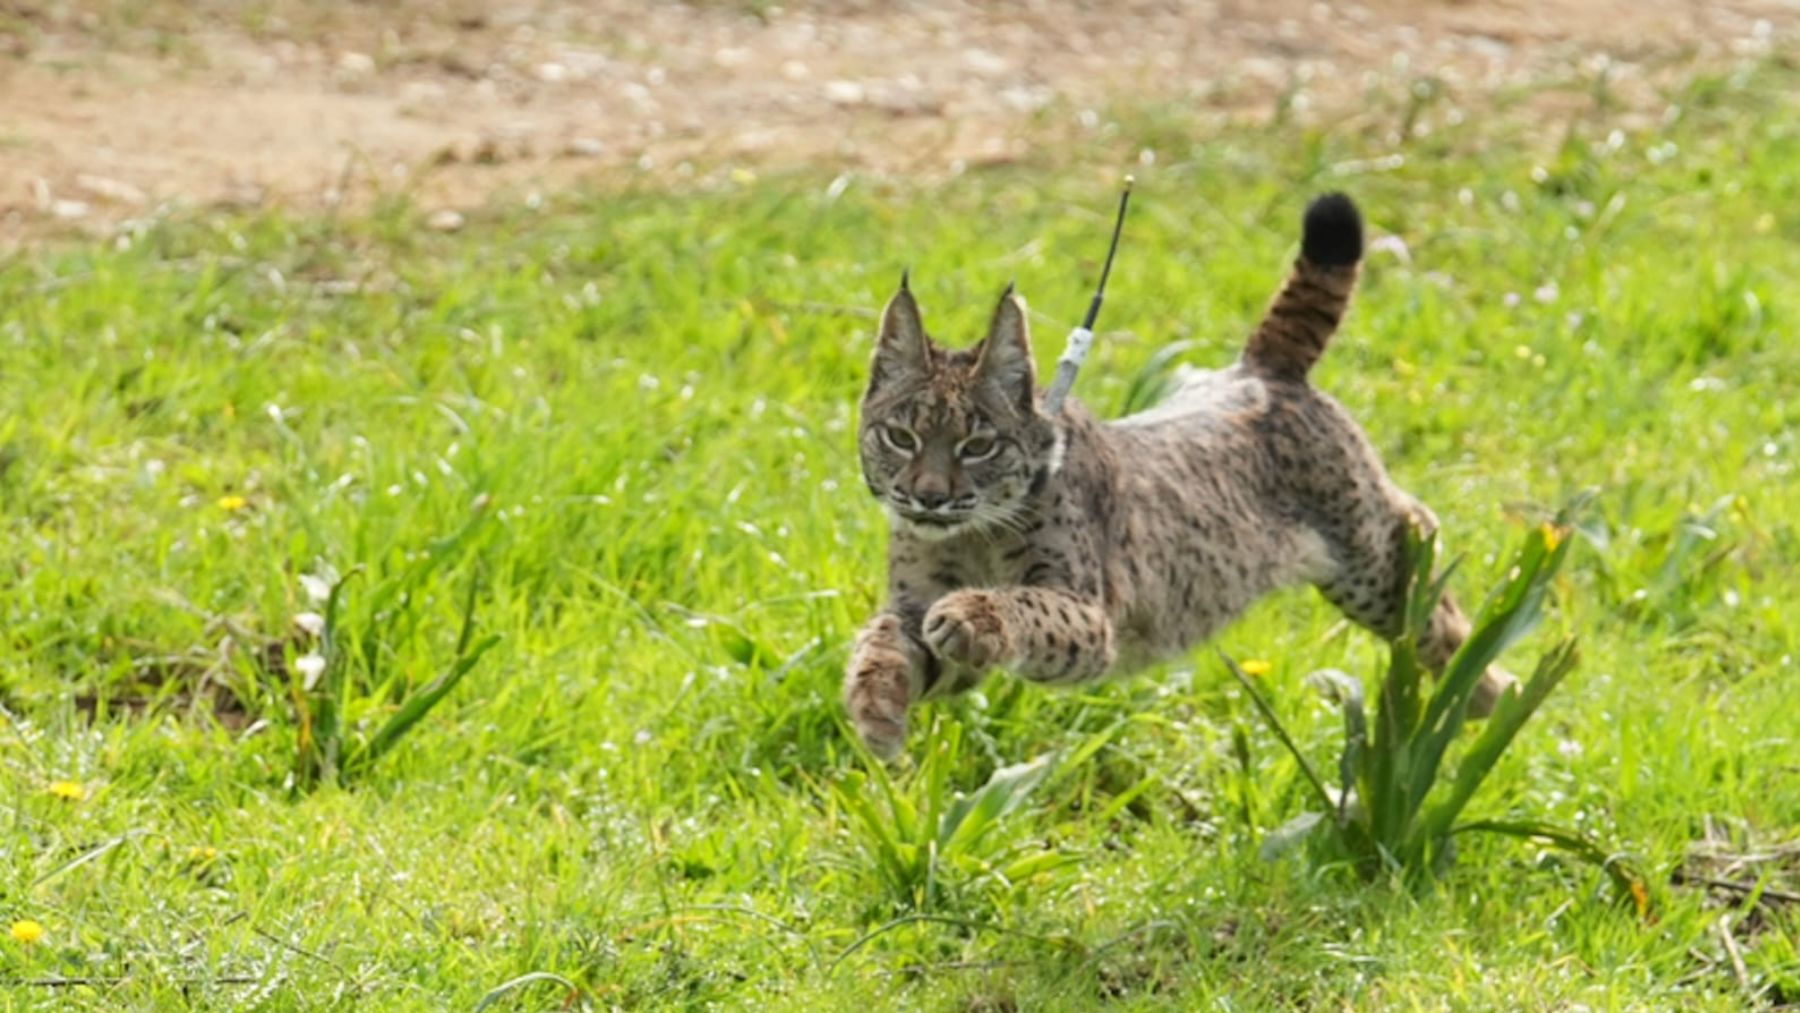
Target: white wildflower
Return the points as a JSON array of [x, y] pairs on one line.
[[1394, 245], [310, 667], [317, 588]]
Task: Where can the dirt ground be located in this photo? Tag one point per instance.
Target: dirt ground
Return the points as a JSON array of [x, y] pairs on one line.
[[116, 109]]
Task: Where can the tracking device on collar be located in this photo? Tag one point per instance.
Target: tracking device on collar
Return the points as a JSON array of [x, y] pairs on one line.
[[1081, 339]]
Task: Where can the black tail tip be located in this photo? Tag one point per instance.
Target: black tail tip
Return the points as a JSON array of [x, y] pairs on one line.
[[1332, 235]]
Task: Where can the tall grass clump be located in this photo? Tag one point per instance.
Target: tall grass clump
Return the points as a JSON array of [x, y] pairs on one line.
[[351, 689], [1398, 807], [927, 843]]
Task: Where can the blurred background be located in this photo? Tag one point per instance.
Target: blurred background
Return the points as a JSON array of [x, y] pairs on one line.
[[117, 110]]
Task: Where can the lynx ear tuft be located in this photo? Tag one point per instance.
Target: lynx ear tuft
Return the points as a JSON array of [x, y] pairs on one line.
[[1004, 361], [901, 347]]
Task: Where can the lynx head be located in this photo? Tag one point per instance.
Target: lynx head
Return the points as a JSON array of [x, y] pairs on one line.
[[954, 440]]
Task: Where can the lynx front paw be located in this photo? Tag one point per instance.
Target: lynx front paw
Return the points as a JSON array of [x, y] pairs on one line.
[[965, 628], [877, 689]]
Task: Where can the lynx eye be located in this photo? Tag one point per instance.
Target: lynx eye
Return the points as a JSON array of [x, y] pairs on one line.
[[978, 448], [900, 438]]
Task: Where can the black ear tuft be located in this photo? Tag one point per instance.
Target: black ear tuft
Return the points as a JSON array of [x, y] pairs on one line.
[[906, 279], [1332, 235]]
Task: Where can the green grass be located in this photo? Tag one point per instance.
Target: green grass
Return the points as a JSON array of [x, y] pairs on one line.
[[628, 417], [1392, 815]]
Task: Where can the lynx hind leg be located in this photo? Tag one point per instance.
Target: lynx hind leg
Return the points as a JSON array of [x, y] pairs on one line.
[[1369, 586]]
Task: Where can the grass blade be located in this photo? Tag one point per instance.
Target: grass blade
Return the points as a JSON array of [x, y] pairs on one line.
[[1386, 786], [421, 702], [1347, 692], [1513, 611], [1312, 776], [878, 834], [500, 991], [416, 707], [392, 592], [1155, 380], [1624, 876], [1511, 714]]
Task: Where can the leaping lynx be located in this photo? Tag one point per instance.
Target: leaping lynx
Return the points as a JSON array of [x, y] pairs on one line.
[[1065, 549]]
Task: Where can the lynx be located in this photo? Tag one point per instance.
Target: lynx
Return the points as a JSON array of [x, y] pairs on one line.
[[1065, 549]]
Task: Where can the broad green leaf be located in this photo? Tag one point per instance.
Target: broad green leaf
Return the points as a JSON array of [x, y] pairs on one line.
[[1509, 616], [1501, 726], [969, 817], [1020, 869]]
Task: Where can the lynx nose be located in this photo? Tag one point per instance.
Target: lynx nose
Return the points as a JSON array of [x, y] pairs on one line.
[[930, 498]]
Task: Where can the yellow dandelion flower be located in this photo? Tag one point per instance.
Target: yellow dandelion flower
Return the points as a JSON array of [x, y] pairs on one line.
[[1257, 667], [69, 790], [27, 931], [1552, 536], [205, 854], [232, 504]]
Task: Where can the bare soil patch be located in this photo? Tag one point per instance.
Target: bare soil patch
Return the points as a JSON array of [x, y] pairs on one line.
[[115, 111]]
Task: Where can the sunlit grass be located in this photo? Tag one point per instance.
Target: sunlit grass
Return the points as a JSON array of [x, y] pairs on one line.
[[645, 788], [1402, 792]]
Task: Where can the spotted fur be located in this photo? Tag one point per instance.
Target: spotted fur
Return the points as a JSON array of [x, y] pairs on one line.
[[1065, 549]]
